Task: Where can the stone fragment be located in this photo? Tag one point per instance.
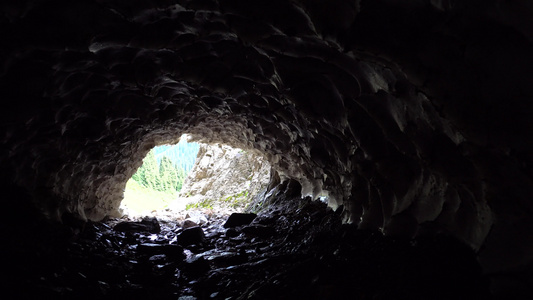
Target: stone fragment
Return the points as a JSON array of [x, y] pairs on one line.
[[232, 232], [294, 188], [146, 225], [155, 249], [258, 230], [197, 217], [188, 223], [196, 266], [226, 259], [266, 219], [191, 236], [158, 258], [239, 219]]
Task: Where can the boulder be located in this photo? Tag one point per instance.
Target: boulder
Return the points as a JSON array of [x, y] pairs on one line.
[[258, 230], [157, 249], [191, 236], [148, 224], [239, 219]]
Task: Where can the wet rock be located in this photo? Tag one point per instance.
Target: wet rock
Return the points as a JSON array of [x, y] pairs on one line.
[[239, 219], [74, 222], [175, 251], [232, 232], [214, 231], [188, 223], [258, 230], [290, 258], [191, 236], [146, 225], [104, 287], [266, 219], [196, 266], [226, 259], [293, 188], [158, 258], [196, 217]]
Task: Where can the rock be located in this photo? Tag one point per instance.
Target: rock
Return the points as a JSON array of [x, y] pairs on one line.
[[188, 223], [155, 249], [239, 219], [232, 232], [197, 217], [266, 219], [74, 222], [196, 266], [148, 224], [152, 224], [294, 188], [130, 227], [258, 230], [158, 258], [191, 236], [227, 176], [226, 259]]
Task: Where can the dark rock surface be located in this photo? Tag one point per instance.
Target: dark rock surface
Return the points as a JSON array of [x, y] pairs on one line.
[[415, 116], [146, 225], [239, 219], [191, 236], [258, 230], [312, 255]]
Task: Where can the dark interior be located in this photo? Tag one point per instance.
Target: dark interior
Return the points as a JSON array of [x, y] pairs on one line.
[[415, 117]]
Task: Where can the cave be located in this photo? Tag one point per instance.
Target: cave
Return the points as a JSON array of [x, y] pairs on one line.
[[413, 117]]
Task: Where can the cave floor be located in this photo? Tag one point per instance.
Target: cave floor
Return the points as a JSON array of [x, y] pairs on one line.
[[304, 253]]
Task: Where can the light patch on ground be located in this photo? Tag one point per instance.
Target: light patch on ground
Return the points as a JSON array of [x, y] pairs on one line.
[[139, 200]]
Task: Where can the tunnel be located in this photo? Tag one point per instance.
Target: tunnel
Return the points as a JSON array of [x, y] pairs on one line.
[[414, 117]]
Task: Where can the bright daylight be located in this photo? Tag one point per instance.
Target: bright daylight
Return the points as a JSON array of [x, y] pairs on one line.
[[175, 180]]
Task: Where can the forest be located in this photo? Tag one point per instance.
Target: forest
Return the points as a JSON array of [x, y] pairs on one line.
[[161, 176]]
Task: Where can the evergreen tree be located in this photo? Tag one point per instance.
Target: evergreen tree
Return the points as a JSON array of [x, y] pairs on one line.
[[137, 175], [168, 175], [150, 173], [165, 167], [181, 175]]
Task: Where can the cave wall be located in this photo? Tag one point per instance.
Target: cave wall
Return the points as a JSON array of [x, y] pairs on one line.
[[413, 115]]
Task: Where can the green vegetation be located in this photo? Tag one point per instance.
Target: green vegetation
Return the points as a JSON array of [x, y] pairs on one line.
[[164, 176], [159, 179], [237, 200], [205, 204], [143, 200]]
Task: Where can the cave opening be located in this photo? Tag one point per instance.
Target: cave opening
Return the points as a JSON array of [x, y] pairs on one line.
[[158, 181], [214, 177]]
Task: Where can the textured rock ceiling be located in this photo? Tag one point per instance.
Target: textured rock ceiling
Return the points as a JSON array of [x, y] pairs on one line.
[[416, 115]]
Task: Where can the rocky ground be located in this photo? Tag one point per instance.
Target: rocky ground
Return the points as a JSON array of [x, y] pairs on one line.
[[296, 251]]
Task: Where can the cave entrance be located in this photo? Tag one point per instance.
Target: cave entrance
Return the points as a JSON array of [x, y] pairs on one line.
[[175, 180]]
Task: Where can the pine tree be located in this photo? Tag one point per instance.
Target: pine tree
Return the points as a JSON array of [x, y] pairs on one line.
[[150, 173], [181, 175], [165, 167], [137, 175], [168, 175]]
